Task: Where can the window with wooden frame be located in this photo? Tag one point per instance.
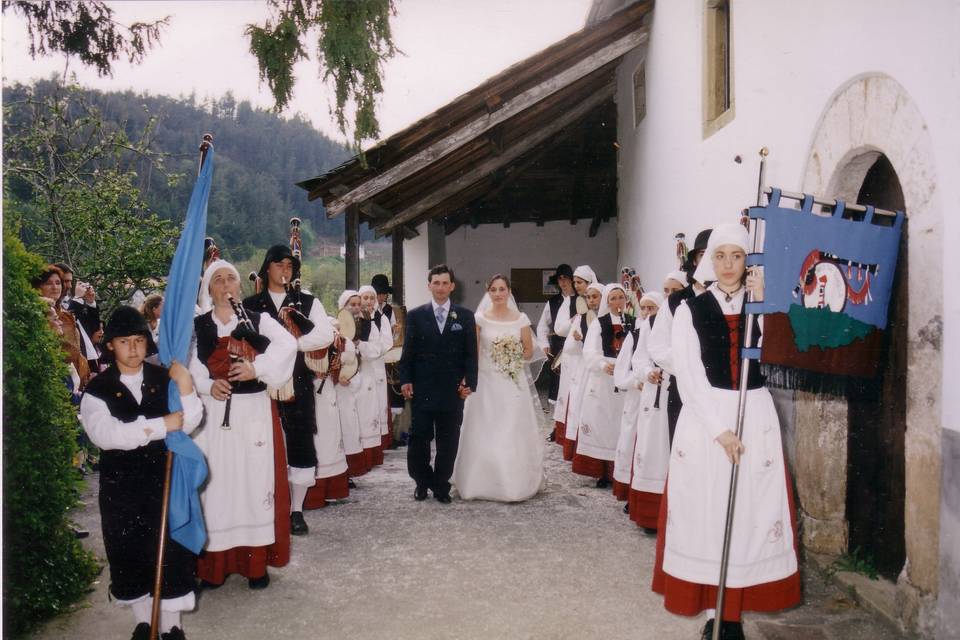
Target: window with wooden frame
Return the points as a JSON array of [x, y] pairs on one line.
[[717, 67]]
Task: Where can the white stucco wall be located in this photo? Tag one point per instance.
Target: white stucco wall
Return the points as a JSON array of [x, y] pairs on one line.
[[789, 59], [415, 267], [476, 254]]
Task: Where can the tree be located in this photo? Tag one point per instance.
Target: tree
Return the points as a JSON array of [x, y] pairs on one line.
[[353, 40], [44, 567], [86, 30], [73, 188]]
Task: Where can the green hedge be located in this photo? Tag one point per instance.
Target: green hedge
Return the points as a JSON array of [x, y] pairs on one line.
[[45, 568]]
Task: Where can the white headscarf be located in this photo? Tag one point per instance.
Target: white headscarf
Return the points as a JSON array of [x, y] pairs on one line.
[[679, 276], [727, 233], [366, 289], [604, 307], [205, 301], [345, 297], [584, 272], [656, 297]]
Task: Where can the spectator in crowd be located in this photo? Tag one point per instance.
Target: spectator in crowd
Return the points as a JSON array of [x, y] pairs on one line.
[[151, 309], [50, 285]]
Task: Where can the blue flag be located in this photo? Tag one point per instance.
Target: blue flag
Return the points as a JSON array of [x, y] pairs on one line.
[[176, 329]]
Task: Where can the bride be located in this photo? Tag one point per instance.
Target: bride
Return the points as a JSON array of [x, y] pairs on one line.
[[501, 454]]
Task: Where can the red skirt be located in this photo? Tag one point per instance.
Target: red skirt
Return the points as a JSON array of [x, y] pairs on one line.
[[621, 491], [252, 562], [587, 466], [569, 449], [559, 432], [357, 464], [688, 598], [332, 488], [644, 508], [374, 456]]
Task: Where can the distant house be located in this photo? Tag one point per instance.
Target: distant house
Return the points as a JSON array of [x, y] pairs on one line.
[[647, 123]]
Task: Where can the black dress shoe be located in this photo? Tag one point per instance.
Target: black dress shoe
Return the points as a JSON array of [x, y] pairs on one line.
[[731, 630], [603, 483], [442, 498], [707, 633], [209, 586], [176, 633], [650, 531], [259, 583], [626, 508], [141, 632], [420, 494], [298, 525], [351, 483], [552, 437]]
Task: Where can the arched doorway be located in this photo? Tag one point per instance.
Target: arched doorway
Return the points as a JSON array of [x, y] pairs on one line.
[[877, 407]]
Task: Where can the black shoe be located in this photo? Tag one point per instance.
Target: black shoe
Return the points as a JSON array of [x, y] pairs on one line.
[[141, 632], [552, 437], [259, 583], [420, 494], [626, 508], [351, 483], [209, 586], [79, 533], [731, 630], [175, 633], [603, 483], [298, 526], [650, 531], [707, 633], [442, 498]]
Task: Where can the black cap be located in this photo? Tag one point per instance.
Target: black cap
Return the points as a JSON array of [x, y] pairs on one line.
[[702, 239], [279, 253], [561, 270], [125, 321], [381, 283]]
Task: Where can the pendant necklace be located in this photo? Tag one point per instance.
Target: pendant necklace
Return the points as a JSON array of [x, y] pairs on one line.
[[728, 296]]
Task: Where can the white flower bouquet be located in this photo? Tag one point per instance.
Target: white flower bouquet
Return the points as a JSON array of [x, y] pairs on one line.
[[507, 355]]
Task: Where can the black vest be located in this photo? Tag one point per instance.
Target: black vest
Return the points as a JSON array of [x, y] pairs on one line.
[[714, 335], [263, 303], [117, 464], [207, 338], [364, 325], [387, 311], [677, 297], [554, 302], [606, 334]]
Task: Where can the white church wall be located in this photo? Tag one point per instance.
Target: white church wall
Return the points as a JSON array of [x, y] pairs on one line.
[[415, 267]]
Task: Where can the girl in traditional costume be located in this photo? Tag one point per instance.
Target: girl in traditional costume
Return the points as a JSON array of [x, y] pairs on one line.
[[707, 335], [602, 403], [380, 340], [124, 412], [357, 448], [572, 369], [246, 501]]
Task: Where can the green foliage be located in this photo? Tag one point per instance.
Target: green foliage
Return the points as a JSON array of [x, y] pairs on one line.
[[856, 561], [85, 29], [353, 41], [44, 566], [71, 173]]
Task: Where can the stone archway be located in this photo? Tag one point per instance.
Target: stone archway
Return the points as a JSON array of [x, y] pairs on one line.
[[868, 116]]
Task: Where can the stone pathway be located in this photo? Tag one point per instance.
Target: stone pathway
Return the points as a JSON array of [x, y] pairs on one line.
[[567, 564]]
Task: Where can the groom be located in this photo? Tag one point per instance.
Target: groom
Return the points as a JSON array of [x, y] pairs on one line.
[[438, 370]]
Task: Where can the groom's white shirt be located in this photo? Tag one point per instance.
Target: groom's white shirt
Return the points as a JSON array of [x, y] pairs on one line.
[[446, 312]]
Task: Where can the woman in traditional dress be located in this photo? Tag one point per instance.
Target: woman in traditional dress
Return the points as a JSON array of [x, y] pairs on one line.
[[572, 367], [500, 456], [381, 341], [708, 332], [349, 400], [246, 501], [583, 277], [630, 382], [602, 405]]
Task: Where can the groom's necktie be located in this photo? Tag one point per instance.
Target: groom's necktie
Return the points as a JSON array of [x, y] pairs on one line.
[[441, 318]]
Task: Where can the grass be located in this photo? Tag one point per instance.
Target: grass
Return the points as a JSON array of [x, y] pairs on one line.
[[856, 561]]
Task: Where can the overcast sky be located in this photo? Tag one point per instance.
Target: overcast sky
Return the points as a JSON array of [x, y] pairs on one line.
[[449, 45]]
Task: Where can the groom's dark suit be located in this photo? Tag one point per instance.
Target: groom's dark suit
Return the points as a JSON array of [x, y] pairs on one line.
[[435, 362]]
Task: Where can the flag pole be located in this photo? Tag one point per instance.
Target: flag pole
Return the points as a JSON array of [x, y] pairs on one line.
[[167, 474], [741, 409]]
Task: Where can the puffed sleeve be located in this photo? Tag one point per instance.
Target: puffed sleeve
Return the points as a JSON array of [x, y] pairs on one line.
[[624, 376], [107, 432], [564, 319], [641, 362], [275, 365], [543, 328], [371, 348], [571, 345], [694, 387], [659, 342], [593, 347], [192, 411], [202, 381], [386, 335], [322, 334]]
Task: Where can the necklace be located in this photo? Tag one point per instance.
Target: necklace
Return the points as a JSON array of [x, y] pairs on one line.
[[728, 295]]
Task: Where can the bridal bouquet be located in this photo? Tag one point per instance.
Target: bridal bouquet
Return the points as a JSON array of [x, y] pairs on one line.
[[507, 356]]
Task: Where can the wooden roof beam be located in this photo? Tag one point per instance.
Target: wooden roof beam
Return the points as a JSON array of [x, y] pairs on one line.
[[455, 140], [509, 155]]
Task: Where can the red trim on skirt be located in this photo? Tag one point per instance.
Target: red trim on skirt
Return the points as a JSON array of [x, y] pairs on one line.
[[644, 508], [592, 467], [357, 464], [386, 440], [621, 491], [688, 598], [374, 456], [332, 488], [569, 449], [252, 562], [559, 432]]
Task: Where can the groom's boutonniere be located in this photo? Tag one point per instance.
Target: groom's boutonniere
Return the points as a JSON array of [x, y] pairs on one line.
[[453, 315]]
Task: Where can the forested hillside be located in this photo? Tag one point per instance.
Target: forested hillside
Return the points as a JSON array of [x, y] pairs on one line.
[[260, 156]]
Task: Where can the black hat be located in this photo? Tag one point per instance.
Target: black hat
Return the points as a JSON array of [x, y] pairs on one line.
[[381, 283], [279, 253], [125, 321], [562, 270], [702, 239]]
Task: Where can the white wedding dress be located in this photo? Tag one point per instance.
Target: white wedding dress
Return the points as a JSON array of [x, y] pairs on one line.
[[501, 449]]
